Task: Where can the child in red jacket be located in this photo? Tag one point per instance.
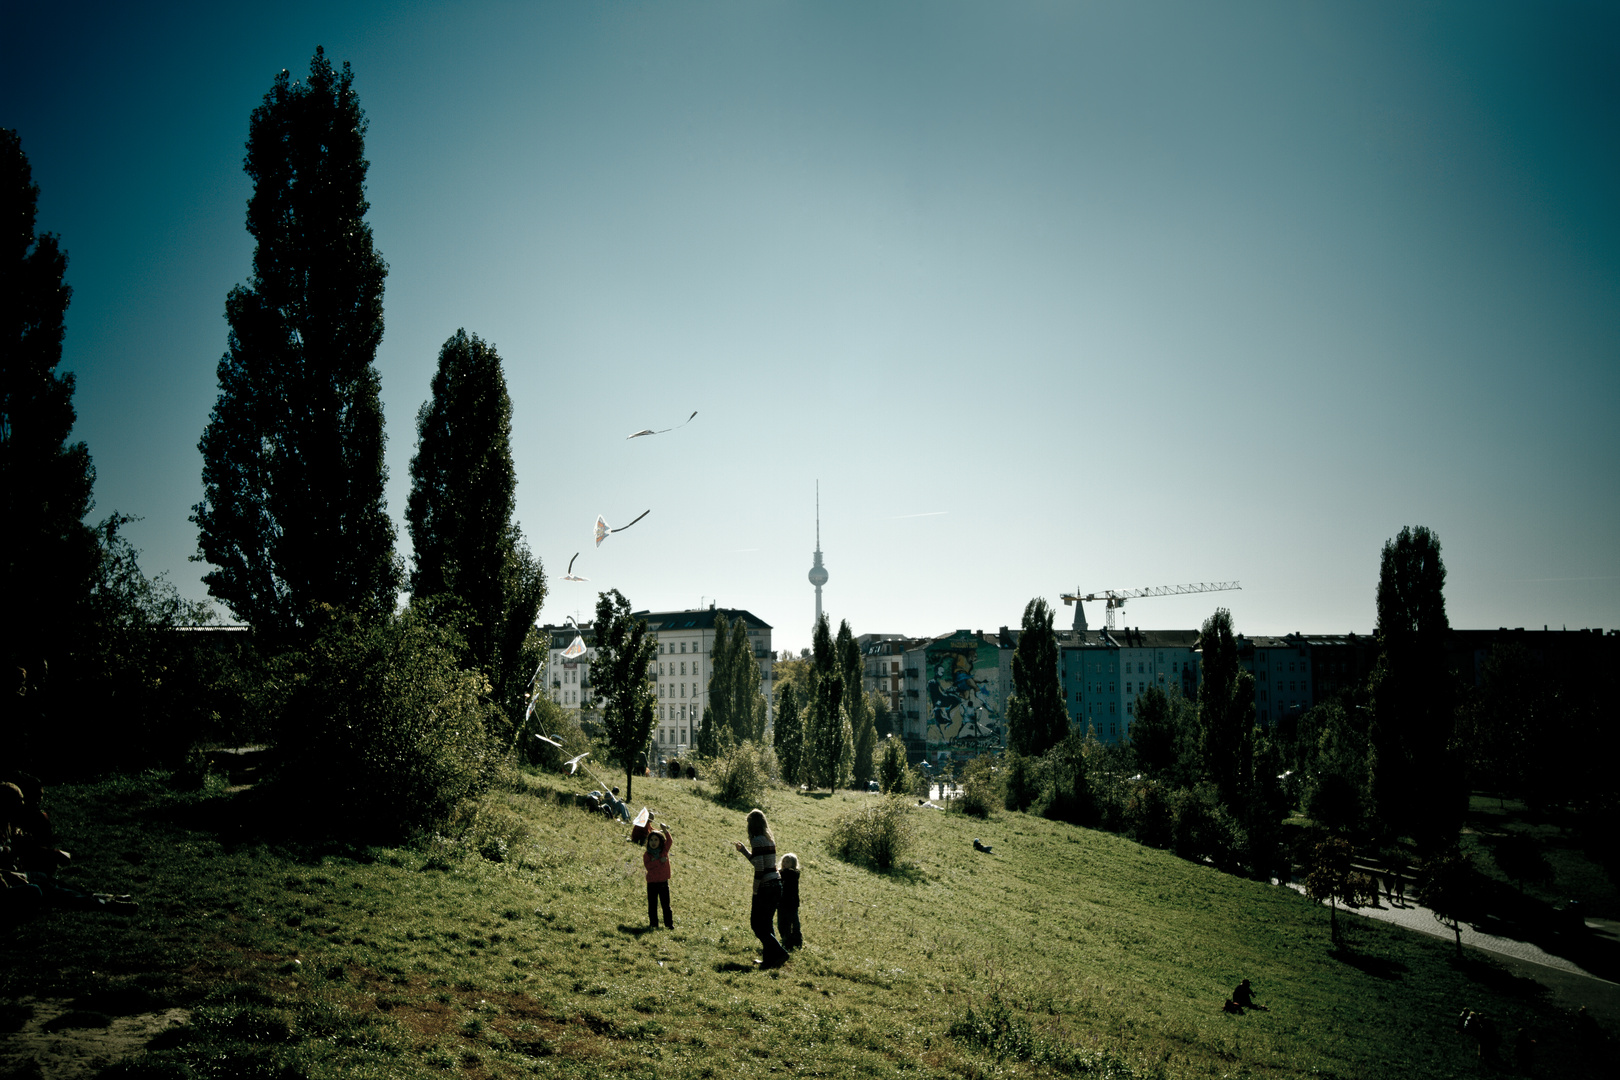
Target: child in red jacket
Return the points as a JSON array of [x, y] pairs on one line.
[[656, 860]]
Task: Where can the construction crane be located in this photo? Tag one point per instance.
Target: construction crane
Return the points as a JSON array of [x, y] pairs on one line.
[[1115, 598]]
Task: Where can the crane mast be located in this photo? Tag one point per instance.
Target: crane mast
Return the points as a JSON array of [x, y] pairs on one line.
[[1115, 598]]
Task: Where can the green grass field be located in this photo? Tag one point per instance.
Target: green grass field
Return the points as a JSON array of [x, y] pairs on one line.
[[1063, 952]]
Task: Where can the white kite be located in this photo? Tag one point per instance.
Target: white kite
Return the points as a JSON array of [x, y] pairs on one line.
[[528, 710], [571, 576], [603, 531], [575, 648], [548, 739], [573, 763], [660, 431]]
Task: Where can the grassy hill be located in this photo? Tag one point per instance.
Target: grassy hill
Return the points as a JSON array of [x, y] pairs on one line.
[[1063, 952]]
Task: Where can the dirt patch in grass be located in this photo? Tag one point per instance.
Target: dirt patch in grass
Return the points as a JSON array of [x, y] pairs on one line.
[[56, 1038]]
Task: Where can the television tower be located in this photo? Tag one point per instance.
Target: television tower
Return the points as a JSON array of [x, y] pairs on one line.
[[818, 573]]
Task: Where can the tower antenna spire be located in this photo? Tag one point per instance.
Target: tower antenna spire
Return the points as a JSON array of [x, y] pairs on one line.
[[818, 573]]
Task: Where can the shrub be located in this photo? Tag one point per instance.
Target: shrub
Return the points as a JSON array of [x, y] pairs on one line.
[[878, 835], [490, 830], [1008, 1035], [741, 774], [997, 1030], [1023, 785], [381, 733], [981, 789], [894, 774], [1148, 814], [1203, 828]]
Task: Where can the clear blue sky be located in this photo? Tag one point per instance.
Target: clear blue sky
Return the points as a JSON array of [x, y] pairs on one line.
[[1046, 295]]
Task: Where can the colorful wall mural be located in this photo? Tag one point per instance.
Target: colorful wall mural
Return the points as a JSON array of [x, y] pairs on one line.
[[964, 695]]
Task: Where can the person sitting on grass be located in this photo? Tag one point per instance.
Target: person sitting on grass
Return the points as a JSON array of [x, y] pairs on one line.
[[33, 840], [28, 888], [1244, 997]]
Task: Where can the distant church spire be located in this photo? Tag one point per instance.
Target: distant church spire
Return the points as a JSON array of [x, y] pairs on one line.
[[818, 573]]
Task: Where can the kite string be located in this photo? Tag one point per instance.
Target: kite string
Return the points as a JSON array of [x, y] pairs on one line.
[[639, 516]]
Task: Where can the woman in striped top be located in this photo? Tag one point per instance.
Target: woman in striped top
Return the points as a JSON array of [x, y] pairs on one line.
[[767, 888]]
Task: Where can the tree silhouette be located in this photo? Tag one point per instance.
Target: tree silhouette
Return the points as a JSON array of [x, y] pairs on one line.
[[1036, 717], [1226, 708], [621, 678], [465, 544], [293, 516], [1416, 776]]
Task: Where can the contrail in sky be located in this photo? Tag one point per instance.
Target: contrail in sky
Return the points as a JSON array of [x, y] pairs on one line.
[[1539, 580]]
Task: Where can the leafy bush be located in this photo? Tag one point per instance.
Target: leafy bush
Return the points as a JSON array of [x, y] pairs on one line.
[[894, 774], [1023, 782], [489, 830], [998, 1030], [1067, 785], [1204, 830], [1149, 815], [741, 774], [1005, 1034], [381, 733], [981, 789], [878, 835], [552, 720]]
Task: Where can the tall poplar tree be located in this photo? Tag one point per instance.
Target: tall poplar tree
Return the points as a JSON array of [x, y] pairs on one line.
[[1225, 709], [717, 728], [48, 555], [293, 516], [747, 700], [863, 736], [827, 746], [623, 682], [1036, 717], [788, 735], [465, 543], [1416, 775], [736, 706]]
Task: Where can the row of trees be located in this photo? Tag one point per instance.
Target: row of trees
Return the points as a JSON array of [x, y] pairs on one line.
[[1203, 777], [827, 729], [736, 711], [292, 518]]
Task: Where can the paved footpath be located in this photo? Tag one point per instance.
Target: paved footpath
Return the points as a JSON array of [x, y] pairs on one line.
[[1569, 983]]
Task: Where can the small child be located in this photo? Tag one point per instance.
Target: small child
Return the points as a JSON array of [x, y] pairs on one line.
[[787, 913], [656, 860]]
